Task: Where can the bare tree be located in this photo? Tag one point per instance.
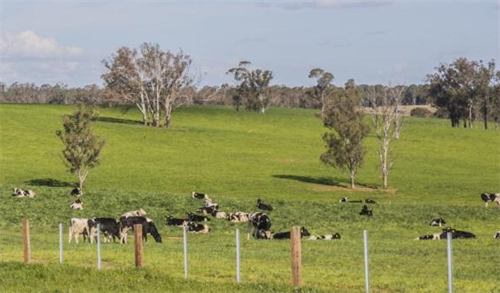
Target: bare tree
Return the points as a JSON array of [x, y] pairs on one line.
[[385, 104]]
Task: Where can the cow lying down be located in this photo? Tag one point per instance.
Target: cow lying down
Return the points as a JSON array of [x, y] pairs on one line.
[[455, 234], [17, 192], [325, 237]]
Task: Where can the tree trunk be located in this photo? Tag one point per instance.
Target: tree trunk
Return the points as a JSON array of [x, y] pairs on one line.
[[80, 180], [485, 114], [352, 180]]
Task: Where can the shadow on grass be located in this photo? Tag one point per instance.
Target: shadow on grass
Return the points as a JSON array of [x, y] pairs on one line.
[[118, 120], [50, 182], [328, 181]]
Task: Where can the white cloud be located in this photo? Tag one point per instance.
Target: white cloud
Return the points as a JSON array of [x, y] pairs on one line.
[[29, 44]]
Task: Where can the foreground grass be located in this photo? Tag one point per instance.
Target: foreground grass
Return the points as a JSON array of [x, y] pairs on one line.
[[236, 158]]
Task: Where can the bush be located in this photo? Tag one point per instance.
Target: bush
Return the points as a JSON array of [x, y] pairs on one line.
[[420, 112]]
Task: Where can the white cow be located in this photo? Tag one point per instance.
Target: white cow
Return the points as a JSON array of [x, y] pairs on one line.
[[77, 227]]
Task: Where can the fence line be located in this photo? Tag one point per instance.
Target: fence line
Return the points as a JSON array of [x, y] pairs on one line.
[[449, 238], [138, 245], [26, 241], [296, 249], [367, 267], [238, 264], [184, 242]]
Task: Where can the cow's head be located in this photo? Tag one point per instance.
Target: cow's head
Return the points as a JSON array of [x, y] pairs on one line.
[[336, 236], [304, 232], [154, 232], [497, 235]]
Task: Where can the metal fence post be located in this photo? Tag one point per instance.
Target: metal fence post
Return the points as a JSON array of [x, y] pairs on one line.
[[98, 246], [450, 261], [184, 234], [238, 264], [60, 243], [367, 270]]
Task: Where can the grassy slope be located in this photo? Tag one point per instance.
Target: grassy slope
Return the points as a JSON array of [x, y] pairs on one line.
[[237, 157]]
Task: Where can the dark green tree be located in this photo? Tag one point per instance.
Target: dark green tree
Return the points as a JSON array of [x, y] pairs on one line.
[[323, 85], [81, 147], [344, 143]]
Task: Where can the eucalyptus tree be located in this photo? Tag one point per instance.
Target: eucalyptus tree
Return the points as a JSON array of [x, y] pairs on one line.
[[323, 85]]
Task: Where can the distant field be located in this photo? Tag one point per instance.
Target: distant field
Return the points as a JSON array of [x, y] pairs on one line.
[[238, 157]]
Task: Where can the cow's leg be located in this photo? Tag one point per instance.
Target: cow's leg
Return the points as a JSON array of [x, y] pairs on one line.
[[69, 234], [77, 235]]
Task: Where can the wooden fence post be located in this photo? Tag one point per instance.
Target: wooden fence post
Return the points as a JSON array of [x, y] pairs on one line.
[[138, 245], [26, 241], [296, 257]]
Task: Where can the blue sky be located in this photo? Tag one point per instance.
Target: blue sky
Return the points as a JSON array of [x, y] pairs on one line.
[[375, 41]]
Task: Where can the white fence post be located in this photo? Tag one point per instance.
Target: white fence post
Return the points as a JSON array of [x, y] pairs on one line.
[[184, 234], [238, 264], [450, 262], [60, 243], [367, 272], [98, 246]]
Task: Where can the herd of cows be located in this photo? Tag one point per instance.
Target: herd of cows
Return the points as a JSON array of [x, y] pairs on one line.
[[196, 222]]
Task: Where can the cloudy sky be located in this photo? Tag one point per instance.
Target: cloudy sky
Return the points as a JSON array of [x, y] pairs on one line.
[[371, 41]]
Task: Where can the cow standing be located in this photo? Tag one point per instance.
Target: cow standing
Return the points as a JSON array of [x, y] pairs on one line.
[[77, 227], [148, 227]]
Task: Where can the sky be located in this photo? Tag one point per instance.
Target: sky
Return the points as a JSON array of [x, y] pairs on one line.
[[372, 41]]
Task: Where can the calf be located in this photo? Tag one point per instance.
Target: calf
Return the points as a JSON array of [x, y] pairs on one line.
[[76, 191], [456, 234], [259, 221], [286, 235], [108, 226], [136, 213], [366, 212], [238, 217], [262, 206], [77, 205], [345, 199], [438, 222], [196, 218], [490, 197], [171, 221], [197, 195], [148, 227], [195, 228], [77, 227], [326, 237], [429, 237]]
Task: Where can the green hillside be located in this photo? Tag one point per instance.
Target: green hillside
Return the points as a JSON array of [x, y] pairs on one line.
[[237, 157]]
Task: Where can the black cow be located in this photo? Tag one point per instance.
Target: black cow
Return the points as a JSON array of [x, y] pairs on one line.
[[370, 201], [366, 212], [108, 226], [76, 191], [429, 237], [171, 221], [345, 199], [490, 197], [438, 222], [326, 237], [259, 221], [196, 218], [286, 235], [198, 195], [148, 227], [262, 206], [456, 234]]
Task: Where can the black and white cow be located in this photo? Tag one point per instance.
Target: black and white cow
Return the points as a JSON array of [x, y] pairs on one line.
[[326, 237], [345, 199], [262, 206], [263, 234], [207, 210], [438, 222], [148, 227], [219, 214], [171, 221], [108, 226], [238, 217], [366, 212], [196, 218], [286, 235], [456, 234], [78, 227], [497, 235], [259, 221], [76, 191], [23, 193], [370, 201], [77, 205], [195, 228], [137, 213], [429, 237], [198, 195], [490, 197]]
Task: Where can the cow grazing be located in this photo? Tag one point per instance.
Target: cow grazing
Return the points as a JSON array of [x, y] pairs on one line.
[[438, 222], [171, 221], [259, 221], [456, 234], [370, 201], [429, 237], [238, 217], [219, 214], [286, 235], [497, 235], [326, 237], [345, 199], [77, 227], [148, 227], [198, 195], [77, 205], [262, 206], [108, 226], [490, 197], [76, 191], [195, 228], [366, 212], [136, 213], [196, 218]]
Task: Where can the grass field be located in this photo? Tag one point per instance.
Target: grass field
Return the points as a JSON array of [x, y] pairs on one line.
[[238, 157]]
